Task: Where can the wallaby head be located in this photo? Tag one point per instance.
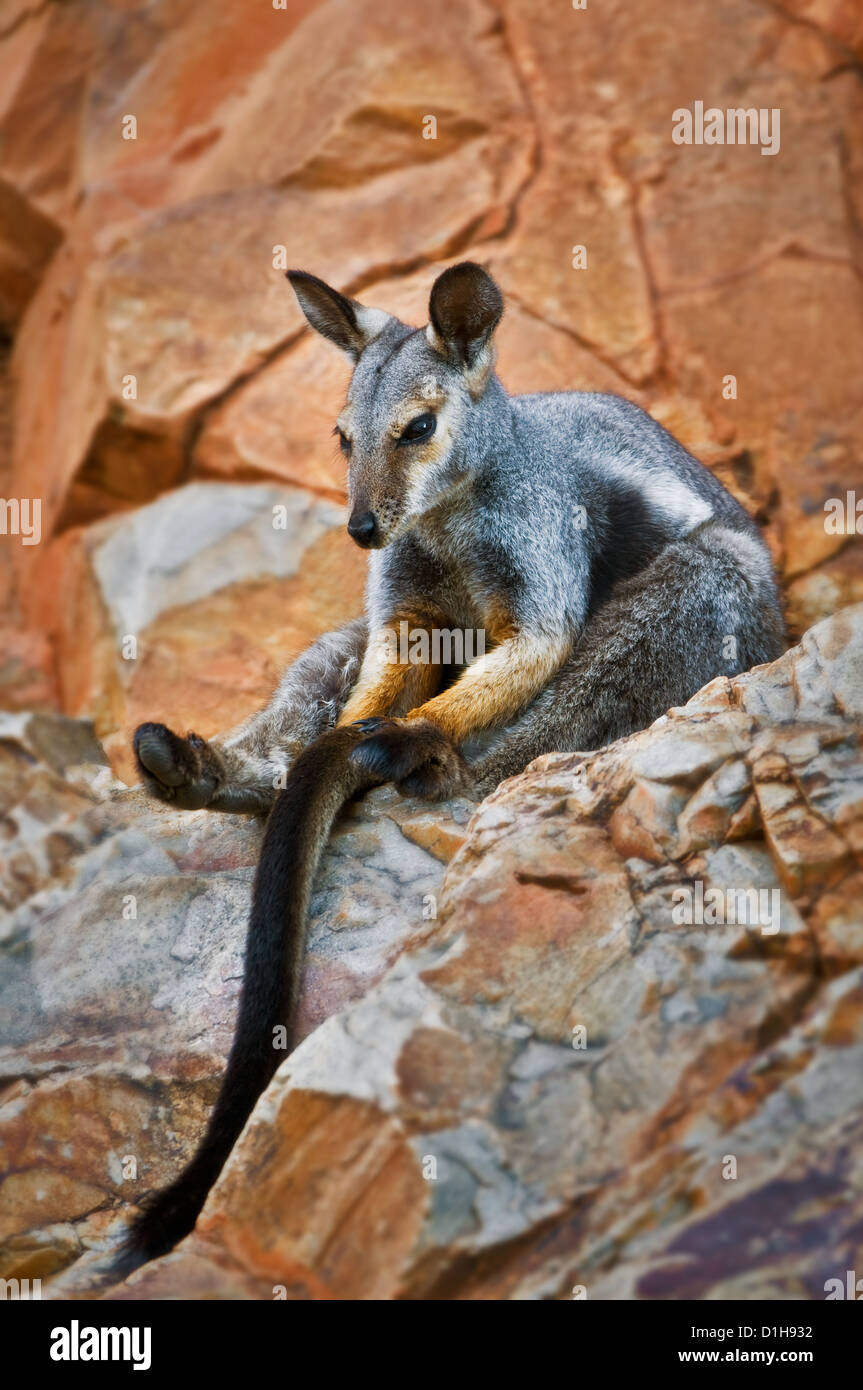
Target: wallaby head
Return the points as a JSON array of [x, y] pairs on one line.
[[407, 417]]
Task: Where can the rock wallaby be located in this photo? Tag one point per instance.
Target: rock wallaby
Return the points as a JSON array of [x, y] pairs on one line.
[[610, 573]]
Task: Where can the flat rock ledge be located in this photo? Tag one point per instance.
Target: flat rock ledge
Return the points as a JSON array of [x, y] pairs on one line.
[[602, 1035]]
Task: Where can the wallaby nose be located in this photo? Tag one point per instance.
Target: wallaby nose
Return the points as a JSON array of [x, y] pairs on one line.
[[363, 528]]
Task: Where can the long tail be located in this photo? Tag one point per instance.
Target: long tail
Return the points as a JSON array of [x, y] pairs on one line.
[[319, 783]]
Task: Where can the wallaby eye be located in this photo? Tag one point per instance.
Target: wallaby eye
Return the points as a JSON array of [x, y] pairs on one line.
[[423, 427], [344, 442]]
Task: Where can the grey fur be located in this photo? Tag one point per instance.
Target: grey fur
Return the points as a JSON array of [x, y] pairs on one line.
[[575, 513], [623, 673], [309, 699]]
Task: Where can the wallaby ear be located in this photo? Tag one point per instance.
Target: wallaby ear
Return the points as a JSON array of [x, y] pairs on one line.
[[464, 310], [351, 326]]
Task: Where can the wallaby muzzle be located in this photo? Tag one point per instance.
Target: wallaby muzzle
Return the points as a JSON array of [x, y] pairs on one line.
[[363, 528]]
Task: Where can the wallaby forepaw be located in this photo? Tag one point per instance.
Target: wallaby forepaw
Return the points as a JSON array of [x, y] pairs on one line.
[[434, 781], [416, 755], [182, 771], [368, 726]]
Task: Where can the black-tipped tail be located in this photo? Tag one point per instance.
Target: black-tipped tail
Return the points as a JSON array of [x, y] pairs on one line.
[[319, 783]]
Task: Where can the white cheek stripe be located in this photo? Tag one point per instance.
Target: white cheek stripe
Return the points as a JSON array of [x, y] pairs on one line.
[[421, 490]]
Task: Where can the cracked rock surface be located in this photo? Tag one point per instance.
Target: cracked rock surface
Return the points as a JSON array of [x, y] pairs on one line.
[[523, 1073], [121, 962], [538, 1054], [156, 343]]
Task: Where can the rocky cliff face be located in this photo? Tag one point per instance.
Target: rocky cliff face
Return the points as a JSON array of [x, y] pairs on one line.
[[160, 164], [554, 1044], [523, 1072]]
